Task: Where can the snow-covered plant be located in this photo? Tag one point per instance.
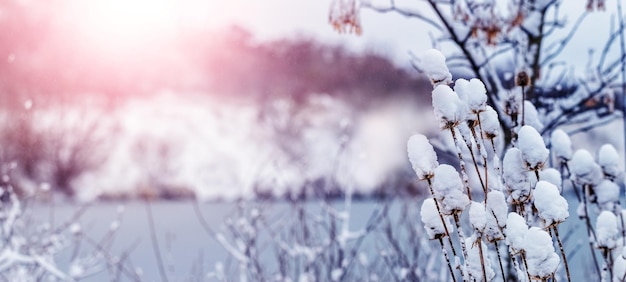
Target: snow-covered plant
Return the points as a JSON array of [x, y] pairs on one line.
[[532, 148], [33, 250], [541, 258], [518, 200], [422, 156], [609, 160]]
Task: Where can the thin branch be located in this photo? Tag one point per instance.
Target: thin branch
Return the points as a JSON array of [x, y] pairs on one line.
[[560, 45], [409, 14]]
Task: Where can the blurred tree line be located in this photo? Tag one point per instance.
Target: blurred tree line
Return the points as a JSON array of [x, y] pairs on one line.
[[41, 58], [43, 66]]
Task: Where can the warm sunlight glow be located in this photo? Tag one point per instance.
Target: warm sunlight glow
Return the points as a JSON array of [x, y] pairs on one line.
[[120, 26]]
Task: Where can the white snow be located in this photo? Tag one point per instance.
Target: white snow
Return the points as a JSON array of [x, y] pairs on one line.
[[490, 123], [606, 230], [553, 176], [473, 263], [448, 189], [447, 105], [516, 230], [497, 211], [532, 147], [584, 169], [514, 175], [619, 268], [477, 216], [552, 207], [607, 195], [561, 144], [433, 63], [531, 116], [609, 161], [540, 255], [432, 222], [422, 156], [473, 93]]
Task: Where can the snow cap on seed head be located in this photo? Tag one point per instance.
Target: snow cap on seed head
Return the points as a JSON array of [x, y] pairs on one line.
[[532, 147], [584, 169], [531, 116], [607, 195], [516, 230], [478, 216], [422, 156], [515, 175], [472, 93], [433, 63], [561, 145], [432, 221], [540, 255], [552, 207], [606, 230], [448, 189], [490, 123], [449, 109], [609, 160]]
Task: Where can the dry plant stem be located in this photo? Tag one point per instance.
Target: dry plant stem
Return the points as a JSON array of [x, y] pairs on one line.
[[482, 257], [523, 255], [445, 226], [558, 239], [621, 219], [606, 269], [445, 254], [462, 163], [523, 106], [515, 263], [499, 260], [155, 243], [590, 232], [480, 177], [480, 151], [459, 232]]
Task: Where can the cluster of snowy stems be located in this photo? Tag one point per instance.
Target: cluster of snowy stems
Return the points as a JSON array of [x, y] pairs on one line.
[[518, 200], [596, 183]]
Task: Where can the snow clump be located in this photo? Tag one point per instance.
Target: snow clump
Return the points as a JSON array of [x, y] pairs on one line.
[[561, 145], [449, 109], [490, 123], [532, 147], [553, 176], [584, 169], [516, 230], [531, 116], [433, 63], [473, 93], [515, 176], [448, 189], [608, 159], [422, 156], [496, 216], [606, 230], [478, 216], [432, 220], [552, 207], [540, 255], [607, 195]]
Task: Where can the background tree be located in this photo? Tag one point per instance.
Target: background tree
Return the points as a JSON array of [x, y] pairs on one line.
[[495, 41]]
